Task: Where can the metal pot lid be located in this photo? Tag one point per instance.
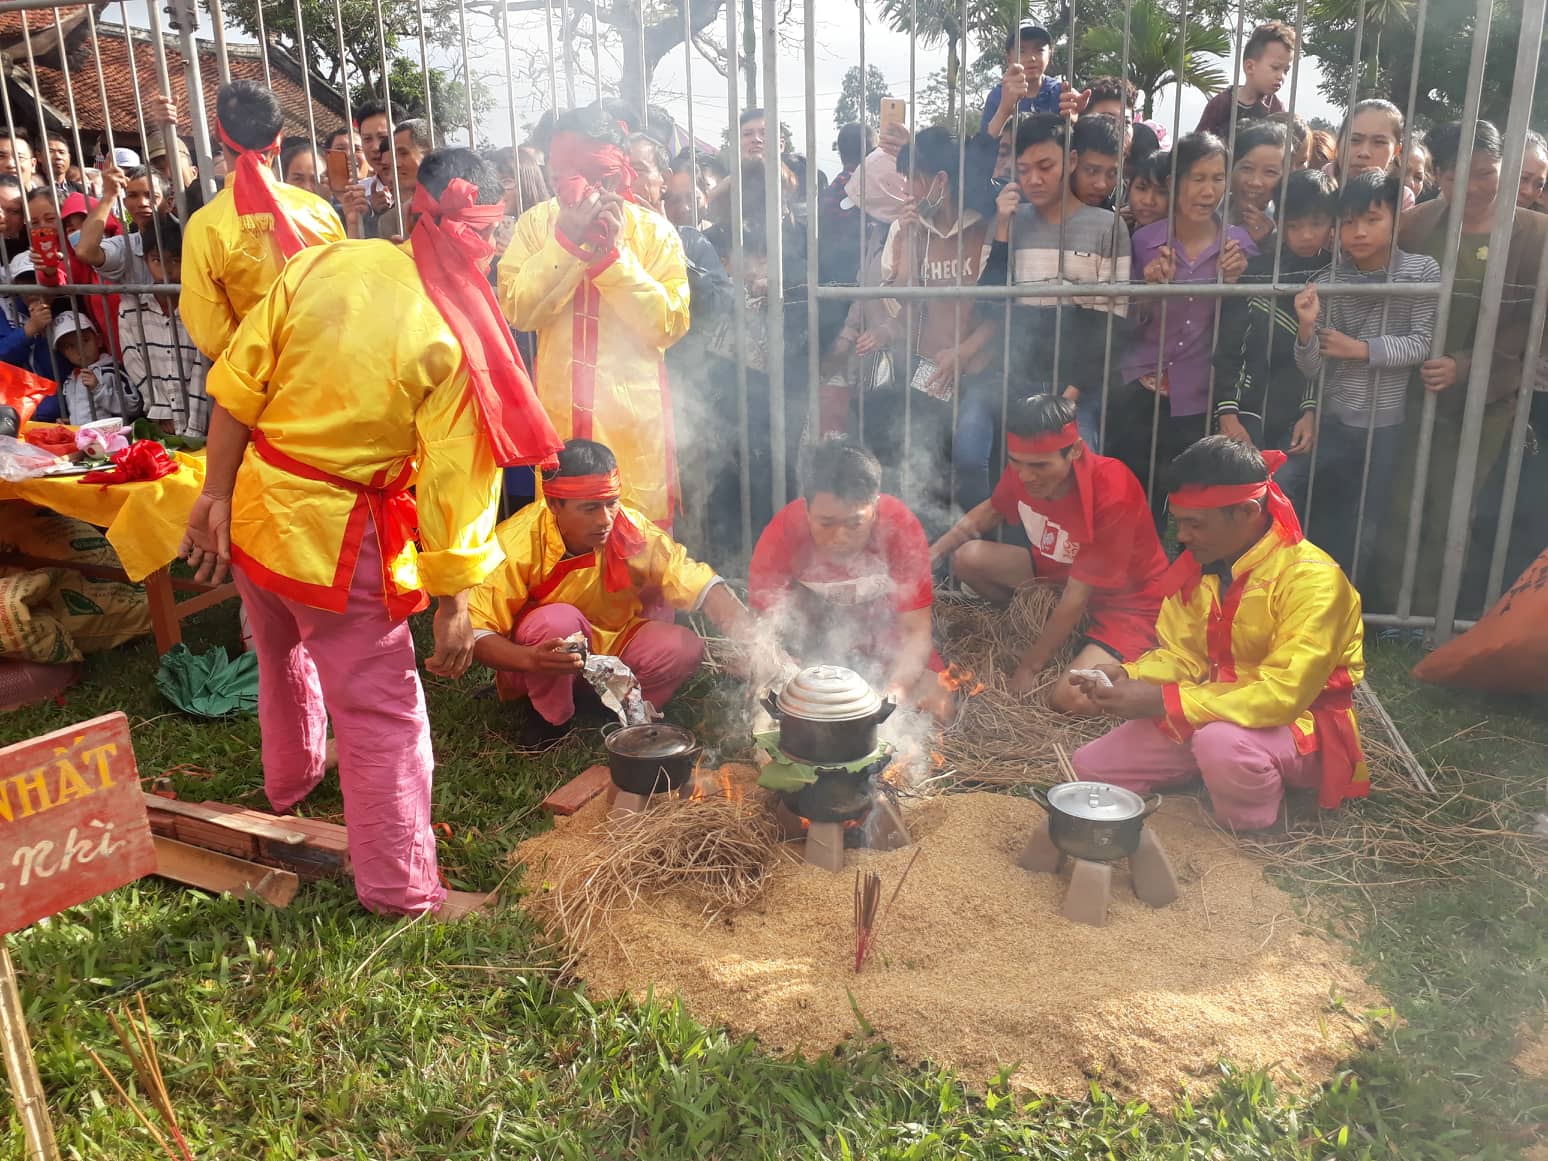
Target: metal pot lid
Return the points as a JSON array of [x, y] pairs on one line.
[[828, 693], [650, 741], [1096, 800]]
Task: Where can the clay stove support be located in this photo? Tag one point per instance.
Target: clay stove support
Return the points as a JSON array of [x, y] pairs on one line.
[[825, 845], [626, 802], [1151, 872], [1089, 893], [1040, 854]]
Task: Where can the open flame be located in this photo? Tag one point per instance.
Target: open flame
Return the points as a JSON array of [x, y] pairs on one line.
[[716, 784], [959, 677]]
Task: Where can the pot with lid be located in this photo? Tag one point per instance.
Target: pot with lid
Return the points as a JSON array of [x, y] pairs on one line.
[[650, 759], [1095, 820], [827, 715]]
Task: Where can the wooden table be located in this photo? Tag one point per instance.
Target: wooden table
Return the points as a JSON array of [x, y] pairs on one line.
[[144, 523]]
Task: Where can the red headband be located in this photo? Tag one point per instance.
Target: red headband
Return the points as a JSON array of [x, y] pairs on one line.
[[1044, 442], [579, 164], [253, 192], [593, 487], [1185, 572]]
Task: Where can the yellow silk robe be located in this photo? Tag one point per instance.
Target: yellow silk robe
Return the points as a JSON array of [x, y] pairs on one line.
[[347, 366], [230, 261], [534, 551], [1296, 624], [601, 332]]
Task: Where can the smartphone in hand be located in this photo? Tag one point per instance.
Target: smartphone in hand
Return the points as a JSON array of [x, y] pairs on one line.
[[337, 162], [45, 244]]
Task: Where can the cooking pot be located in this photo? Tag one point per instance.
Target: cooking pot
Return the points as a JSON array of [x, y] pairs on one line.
[[650, 759], [1094, 820], [828, 714], [838, 795]]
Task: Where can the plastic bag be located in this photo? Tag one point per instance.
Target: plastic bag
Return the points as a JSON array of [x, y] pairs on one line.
[[20, 460], [23, 390]]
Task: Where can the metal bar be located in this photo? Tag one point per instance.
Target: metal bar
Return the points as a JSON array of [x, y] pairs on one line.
[[306, 86], [263, 40], [392, 129], [510, 90], [693, 139], [169, 131], [553, 80], [349, 112], [467, 73], [813, 322], [424, 64], [218, 25], [774, 194], [1529, 46], [569, 61], [1119, 193], [1053, 289], [739, 276], [185, 19]]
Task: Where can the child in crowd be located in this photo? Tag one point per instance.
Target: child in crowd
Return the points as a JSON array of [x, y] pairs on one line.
[[1026, 87], [95, 388], [1261, 396], [1368, 346], [1096, 155], [1149, 191], [1111, 97], [1372, 136], [162, 363], [1324, 148], [1259, 162], [1167, 369], [1418, 171], [1266, 61]]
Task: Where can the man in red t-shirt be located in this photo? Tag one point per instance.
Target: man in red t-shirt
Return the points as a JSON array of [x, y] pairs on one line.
[[1090, 530], [844, 573]]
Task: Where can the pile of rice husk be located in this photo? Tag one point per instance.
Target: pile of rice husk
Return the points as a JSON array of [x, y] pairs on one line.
[[975, 968]]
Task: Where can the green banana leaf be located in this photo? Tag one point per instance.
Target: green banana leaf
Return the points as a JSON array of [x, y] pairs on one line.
[[209, 685]]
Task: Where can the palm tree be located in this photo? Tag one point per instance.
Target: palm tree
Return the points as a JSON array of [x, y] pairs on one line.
[[1377, 15], [938, 20], [1155, 37]]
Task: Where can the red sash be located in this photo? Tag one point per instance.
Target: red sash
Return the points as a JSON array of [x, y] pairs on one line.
[[1344, 770], [392, 509]]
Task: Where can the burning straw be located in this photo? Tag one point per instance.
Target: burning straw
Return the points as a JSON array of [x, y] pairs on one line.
[[1000, 737], [718, 850]]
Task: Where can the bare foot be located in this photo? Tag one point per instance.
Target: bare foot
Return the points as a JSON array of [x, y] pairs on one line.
[[462, 904], [331, 755]]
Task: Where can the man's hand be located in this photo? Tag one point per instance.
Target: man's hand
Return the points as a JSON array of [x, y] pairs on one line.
[[160, 109], [113, 180], [943, 382], [1338, 345], [1071, 102], [575, 222], [870, 341], [453, 635], [1013, 87], [1025, 678], [1231, 427], [39, 318], [207, 542], [610, 215], [1006, 201], [1438, 374], [893, 138], [1303, 437], [354, 203], [1308, 307], [381, 199], [1233, 261], [553, 656], [1161, 268], [1127, 698]]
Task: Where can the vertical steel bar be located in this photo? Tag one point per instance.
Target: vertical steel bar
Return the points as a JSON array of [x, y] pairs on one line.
[[467, 72], [863, 365], [910, 318], [1118, 224], [566, 31], [739, 275], [693, 139], [1529, 46], [774, 217], [392, 130], [169, 131], [349, 111], [263, 41], [504, 25], [218, 25], [185, 20], [305, 60], [553, 80], [424, 63], [813, 322]]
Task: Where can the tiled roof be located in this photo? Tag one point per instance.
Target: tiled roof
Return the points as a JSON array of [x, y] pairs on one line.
[[111, 63]]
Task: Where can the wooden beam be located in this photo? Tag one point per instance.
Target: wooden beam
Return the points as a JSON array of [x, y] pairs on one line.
[[214, 871], [251, 822]]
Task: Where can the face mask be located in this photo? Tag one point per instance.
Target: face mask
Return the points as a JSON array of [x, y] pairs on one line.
[[75, 239], [931, 204]]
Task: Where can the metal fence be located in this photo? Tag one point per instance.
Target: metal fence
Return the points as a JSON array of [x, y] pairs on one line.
[[756, 404]]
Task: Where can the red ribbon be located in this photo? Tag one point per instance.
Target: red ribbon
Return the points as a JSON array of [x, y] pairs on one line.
[[1044, 442], [580, 164], [253, 191], [625, 539], [1345, 773], [448, 250], [606, 486], [1184, 574], [140, 461]]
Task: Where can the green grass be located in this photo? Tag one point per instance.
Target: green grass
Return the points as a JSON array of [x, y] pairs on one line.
[[323, 1032]]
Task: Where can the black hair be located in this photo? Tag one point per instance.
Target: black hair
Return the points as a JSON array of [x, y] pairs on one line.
[[55, 135], [249, 113], [854, 142], [11, 181], [1113, 89], [1274, 32], [158, 183], [1028, 129], [932, 151], [289, 154], [1364, 190], [441, 166], [419, 131], [843, 468], [1445, 143], [658, 153], [1310, 193], [1143, 141], [750, 115], [1154, 167], [591, 122], [1216, 460], [578, 457], [1257, 134], [341, 131], [393, 112], [1193, 148], [165, 239], [1099, 134], [1040, 415], [620, 113], [1036, 33]]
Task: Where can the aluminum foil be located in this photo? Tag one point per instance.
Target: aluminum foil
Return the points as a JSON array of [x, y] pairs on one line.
[[615, 683]]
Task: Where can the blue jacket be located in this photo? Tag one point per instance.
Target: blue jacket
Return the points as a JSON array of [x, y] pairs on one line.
[[1046, 101], [30, 355]]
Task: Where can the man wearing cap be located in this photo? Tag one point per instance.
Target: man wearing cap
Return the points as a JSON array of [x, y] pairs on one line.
[[236, 246], [1251, 685], [1026, 87], [1090, 531], [580, 561], [156, 158], [603, 282], [370, 377]]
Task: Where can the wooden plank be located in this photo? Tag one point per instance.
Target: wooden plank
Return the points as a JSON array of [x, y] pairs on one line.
[[163, 610], [214, 871], [255, 823], [207, 598], [324, 854], [578, 791]]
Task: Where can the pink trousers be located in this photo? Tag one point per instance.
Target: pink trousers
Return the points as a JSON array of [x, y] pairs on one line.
[[1244, 770], [662, 655], [356, 667]]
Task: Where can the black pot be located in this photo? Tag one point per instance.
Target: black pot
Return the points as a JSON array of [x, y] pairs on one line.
[[836, 796], [1095, 821], [821, 742], [650, 759]]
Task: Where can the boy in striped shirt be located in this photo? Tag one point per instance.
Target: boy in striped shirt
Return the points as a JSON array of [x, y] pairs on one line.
[[1368, 345]]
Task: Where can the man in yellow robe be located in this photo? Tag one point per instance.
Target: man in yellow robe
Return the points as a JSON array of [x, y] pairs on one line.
[[367, 371], [1260, 648], [577, 560], [603, 282], [236, 245]]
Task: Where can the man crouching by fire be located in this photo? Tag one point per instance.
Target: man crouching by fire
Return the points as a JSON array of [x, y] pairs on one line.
[[1260, 648], [844, 575], [578, 561]]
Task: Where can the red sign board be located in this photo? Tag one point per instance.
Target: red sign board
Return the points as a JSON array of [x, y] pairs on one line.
[[72, 820]]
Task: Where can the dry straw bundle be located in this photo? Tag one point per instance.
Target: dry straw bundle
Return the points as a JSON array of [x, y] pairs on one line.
[[717, 850], [1000, 737]]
